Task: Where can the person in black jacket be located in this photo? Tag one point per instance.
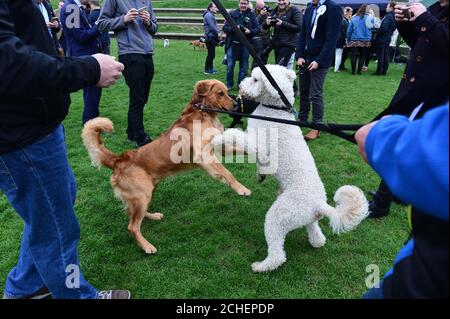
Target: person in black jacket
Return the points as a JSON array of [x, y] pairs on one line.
[[245, 18], [424, 84], [286, 20], [52, 23], [340, 44], [35, 175], [93, 16], [383, 39], [315, 51]]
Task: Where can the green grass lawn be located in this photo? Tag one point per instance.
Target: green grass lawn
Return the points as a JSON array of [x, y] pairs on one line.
[[210, 235]]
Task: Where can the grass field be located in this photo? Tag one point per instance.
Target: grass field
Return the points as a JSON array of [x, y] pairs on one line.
[[210, 236]]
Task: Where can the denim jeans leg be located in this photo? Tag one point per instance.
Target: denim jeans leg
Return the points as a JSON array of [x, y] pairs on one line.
[[43, 196], [243, 65], [230, 67]]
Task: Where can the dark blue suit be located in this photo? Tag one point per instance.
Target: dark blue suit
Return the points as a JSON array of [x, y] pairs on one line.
[[321, 49], [82, 38]]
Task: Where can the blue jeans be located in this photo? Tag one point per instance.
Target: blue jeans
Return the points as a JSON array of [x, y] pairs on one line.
[[91, 97], [38, 182], [243, 65]]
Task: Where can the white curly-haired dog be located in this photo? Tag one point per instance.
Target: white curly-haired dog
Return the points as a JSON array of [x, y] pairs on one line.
[[302, 200]]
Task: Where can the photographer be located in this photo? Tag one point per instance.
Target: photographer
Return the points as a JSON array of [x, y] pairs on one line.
[[261, 41], [286, 20], [425, 80], [211, 36], [245, 18]]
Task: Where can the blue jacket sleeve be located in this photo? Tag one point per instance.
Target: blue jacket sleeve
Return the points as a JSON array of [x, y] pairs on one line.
[[412, 157], [81, 34], [333, 27], [254, 24], [212, 25]]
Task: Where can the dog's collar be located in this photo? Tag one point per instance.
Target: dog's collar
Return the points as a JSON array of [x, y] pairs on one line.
[[279, 108], [203, 107]]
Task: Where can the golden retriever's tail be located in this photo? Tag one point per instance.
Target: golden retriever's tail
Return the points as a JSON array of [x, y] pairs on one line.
[[92, 140], [351, 209]]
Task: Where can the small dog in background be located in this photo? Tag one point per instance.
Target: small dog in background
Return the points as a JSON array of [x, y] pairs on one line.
[[166, 43], [198, 44]]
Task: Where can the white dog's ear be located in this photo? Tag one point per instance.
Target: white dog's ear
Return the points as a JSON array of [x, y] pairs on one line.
[[270, 89], [291, 75]]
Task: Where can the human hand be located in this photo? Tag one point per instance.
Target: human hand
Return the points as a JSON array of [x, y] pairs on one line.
[[247, 31], [53, 24], [361, 137], [301, 61], [145, 16], [416, 10], [110, 70], [313, 66], [279, 22], [131, 15], [399, 13]]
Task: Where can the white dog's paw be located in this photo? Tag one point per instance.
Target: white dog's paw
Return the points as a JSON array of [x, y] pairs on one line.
[[265, 266], [318, 240]]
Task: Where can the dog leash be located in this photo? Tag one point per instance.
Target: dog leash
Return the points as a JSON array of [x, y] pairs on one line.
[[331, 128]]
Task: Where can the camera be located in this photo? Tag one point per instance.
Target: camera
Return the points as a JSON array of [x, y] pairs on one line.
[[244, 24], [273, 18], [407, 13], [268, 9]]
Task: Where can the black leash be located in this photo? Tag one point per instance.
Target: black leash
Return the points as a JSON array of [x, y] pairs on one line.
[[334, 129]]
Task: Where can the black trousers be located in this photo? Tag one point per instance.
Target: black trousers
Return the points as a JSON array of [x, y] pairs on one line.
[[362, 53], [211, 46], [283, 57], [261, 45], [383, 58], [138, 74]]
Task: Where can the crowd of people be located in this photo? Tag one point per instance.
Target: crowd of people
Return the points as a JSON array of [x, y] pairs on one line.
[[47, 54]]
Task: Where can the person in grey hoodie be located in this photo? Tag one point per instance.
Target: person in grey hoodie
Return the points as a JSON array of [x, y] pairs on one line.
[[134, 23], [211, 36]]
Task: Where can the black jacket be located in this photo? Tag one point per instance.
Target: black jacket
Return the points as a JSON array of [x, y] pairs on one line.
[[425, 79], [387, 28], [322, 48], [246, 19], [286, 34], [342, 34], [34, 82]]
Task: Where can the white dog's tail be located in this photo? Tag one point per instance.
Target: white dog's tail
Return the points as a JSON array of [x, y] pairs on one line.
[[92, 140], [351, 209]]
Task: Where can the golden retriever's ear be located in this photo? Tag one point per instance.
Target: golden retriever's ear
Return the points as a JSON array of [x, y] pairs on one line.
[[201, 90]]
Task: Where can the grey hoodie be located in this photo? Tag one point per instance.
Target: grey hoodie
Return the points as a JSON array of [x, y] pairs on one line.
[[134, 36]]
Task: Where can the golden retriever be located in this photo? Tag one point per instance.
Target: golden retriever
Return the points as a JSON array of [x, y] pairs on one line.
[[136, 173]]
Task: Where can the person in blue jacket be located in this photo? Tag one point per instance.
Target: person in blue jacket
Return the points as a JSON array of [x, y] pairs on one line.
[[82, 39], [412, 157], [245, 18], [383, 39]]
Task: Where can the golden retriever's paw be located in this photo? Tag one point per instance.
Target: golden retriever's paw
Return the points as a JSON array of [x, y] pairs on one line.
[[243, 191], [154, 216], [150, 249]]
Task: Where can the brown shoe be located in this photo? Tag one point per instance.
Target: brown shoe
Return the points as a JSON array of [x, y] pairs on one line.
[[312, 135]]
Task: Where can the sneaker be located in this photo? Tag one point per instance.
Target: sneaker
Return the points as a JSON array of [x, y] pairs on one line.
[[208, 72], [145, 141], [114, 294], [377, 211], [214, 71], [42, 293], [229, 88]]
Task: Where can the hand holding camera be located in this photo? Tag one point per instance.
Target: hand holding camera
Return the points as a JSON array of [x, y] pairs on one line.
[[410, 12], [54, 24], [145, 15], [131, 15]]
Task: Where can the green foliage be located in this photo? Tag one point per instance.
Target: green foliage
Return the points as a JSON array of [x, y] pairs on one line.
[[210, 235]]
